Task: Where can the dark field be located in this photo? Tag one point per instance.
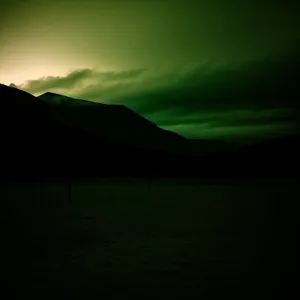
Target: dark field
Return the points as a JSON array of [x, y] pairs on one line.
[[178, 239]]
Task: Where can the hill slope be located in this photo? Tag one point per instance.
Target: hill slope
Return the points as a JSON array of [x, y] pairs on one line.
[[32, 142], [113, 121]]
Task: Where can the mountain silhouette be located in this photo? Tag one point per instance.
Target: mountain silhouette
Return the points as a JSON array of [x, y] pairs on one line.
[[33, 142], [115, 122], [61, 100], [55, 136]]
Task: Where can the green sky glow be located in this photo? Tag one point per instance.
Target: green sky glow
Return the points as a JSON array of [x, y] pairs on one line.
[[171, 61]]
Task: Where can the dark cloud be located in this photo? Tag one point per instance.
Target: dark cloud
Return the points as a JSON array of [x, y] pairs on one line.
[[246, 123], [237, 133], [228, 117], [272, 82]]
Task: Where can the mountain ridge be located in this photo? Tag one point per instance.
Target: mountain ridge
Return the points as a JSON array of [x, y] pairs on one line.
[[35, 140], [115, 121]]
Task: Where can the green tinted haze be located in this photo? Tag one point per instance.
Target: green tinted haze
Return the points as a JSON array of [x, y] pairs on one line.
[[218, 69]]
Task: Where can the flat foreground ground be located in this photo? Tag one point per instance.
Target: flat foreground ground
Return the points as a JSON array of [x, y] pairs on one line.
[[164, 239]]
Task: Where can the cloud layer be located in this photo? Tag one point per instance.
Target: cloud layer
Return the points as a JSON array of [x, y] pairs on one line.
[[205, 100]]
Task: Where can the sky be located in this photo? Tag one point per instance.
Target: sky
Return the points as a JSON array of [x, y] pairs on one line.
[[214, 69]]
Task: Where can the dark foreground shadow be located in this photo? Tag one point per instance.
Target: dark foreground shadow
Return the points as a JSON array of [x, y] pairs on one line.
[[176, 240]]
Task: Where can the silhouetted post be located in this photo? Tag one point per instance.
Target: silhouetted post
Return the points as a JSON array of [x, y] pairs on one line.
[[69, 191], [149, 184]]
